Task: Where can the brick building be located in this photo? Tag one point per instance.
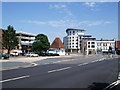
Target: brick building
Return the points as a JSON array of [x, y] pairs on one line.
[[117, 44], [57, 47], [1, 32], [85, 45], [57, 44]]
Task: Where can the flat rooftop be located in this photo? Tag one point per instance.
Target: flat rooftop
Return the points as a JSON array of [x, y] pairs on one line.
[[25, 34], [69, 29]]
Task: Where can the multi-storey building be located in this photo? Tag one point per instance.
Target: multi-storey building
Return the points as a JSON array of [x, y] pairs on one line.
[[74, 40], [25, 41], [85, 44], [104, 45], [100, 46], [91, 47]]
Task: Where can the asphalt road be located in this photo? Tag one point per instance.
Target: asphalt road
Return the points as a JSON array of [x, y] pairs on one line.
[[75, 72]]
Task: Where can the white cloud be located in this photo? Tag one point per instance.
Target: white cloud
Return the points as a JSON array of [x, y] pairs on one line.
[[95, 23], [90, 4], [57, 6], [61, 8], [35, 22], [68, 23], [59, 23]]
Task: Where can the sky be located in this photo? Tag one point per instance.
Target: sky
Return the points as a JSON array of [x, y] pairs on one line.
[[100, 19]]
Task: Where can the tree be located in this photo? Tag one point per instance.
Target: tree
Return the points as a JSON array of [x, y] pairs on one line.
[[41, 44], [9, 39]]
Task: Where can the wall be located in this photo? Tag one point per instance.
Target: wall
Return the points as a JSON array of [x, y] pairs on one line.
[[1, 31], [118, 44]]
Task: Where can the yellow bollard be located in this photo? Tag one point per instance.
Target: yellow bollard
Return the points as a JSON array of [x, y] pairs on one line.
[[110, 56]]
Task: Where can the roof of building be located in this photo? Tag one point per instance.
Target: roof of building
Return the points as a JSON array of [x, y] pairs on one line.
[[26, 34], [105, 40], [87, 35], [75, 29], [89, 38], [57, 44]]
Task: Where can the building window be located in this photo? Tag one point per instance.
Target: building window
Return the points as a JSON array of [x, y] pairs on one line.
[[80, 37], [93, 46], [98, 44], [80, 44], [88, 46], [88, 42], [104, 48], [103, 44], [92, 42], [73, 32], [70, 32], [106, 44]]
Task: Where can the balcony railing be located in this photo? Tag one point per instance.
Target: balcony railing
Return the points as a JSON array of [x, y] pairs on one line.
[[29, 38], [28, 44]]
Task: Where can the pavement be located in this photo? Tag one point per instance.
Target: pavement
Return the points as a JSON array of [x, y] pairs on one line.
[[71, 72], [22, 61], [33, 59]]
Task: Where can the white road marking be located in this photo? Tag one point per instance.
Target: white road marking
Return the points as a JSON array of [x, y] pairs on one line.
[[112, 85], [82, 64], [102, 59], [98, 60], [66, 60], [57, 61], [34, 64], [58, 69], [94, 61], [14, 78], [119, 76], [46, 63], [63, 61]]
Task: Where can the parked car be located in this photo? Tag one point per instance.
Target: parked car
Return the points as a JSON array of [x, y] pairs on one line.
[[4, 56], [118, 52], [23, 53], [31, 55], [51, 54], [14, 54]]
